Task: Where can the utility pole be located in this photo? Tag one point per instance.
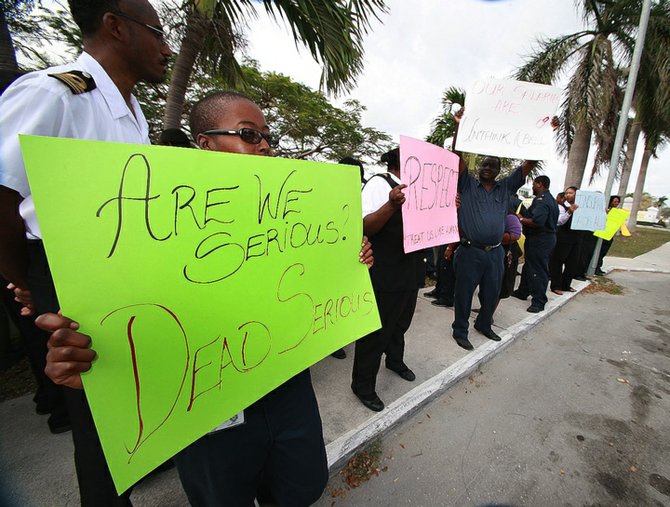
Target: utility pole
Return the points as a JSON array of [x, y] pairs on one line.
[[623, 118]]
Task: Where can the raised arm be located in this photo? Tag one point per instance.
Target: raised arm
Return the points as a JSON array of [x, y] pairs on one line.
[[462, 166]]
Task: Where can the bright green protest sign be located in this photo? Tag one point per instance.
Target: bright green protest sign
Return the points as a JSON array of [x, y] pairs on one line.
[[616, 217], [204, 279]]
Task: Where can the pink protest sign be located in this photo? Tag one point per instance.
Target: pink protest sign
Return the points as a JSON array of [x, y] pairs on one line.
[[429, 213]]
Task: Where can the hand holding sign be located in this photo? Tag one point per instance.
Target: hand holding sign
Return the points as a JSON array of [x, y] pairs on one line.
[[397, 197]]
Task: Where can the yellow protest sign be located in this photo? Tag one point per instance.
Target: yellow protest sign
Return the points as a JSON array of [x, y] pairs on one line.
[[204, 279], [616, 218]]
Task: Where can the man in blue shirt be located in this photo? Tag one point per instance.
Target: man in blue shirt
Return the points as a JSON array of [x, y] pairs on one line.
[[479, 261], [539, 225]]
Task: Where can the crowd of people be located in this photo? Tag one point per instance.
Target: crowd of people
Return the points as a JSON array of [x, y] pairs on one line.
[[279, 451]]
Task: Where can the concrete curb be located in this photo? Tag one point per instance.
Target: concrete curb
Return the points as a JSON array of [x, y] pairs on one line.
[[638, 270], [341, 449]]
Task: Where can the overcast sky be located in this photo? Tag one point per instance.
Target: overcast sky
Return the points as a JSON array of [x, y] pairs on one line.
[[423, 46]]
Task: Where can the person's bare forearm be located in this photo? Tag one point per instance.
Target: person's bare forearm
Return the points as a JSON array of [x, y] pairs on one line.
[[374, 222], [13, 249]]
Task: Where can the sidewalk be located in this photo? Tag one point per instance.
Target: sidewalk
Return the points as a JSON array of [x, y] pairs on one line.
[[37, 467]]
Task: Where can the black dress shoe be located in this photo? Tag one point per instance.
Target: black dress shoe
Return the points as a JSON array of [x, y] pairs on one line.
[[490, 334], [581, 278], [405, 374], [58, 423], [442, 302], [339, 354], [431, 294], [534, 309], [600, 272], [464, 343], [372, 402], [518, 295]]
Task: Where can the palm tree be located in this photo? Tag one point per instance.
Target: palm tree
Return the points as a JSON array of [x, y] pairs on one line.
[[332, 31], [593, 95], [444, 126], [653, 95], [11, 14], [8, 65]]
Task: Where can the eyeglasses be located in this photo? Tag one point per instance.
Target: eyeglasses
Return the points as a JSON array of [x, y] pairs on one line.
[[251, 136], [160, 34]]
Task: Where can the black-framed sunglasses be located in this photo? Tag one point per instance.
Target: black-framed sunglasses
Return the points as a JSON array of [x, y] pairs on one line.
[[248, 135], [160, 34]]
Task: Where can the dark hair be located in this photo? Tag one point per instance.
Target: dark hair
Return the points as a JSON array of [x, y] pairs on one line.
[[560, 195], [573, 188], [174, 137], [391, 159], [353, 161], [612, 197], [206, 112], [87, 14], [543, 180]]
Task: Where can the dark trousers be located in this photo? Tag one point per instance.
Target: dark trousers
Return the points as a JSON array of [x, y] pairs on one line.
[[535, 272], [512, 255], [96, 488], [587, 244], [396, 310], [279, 445], [49, 396], [476, 267], [563, 265], [446, 278]]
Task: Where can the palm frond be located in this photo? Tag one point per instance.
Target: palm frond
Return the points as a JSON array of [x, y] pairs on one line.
[[546, 63], [332, 32]]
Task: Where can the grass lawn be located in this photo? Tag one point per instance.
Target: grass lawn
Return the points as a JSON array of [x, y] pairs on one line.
[[642, 241]]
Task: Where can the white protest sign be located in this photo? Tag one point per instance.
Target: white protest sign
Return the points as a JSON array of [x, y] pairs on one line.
[[509, 119], [591, 214]]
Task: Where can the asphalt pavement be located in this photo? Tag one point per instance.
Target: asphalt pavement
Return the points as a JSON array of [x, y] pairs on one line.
[[575, 412], [37, 467]]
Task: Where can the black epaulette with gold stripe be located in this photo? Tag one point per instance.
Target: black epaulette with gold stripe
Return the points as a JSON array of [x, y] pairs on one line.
[[77, 81]]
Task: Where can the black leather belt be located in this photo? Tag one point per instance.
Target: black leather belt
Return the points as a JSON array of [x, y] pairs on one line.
[[486, 248]]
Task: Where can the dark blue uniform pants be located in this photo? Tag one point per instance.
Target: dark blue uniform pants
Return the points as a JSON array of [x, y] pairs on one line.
[[474, 266], [445, 277], [535, 272], [280, 446]]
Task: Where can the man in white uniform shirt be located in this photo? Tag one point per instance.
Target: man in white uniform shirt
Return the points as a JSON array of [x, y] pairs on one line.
[[88, 99]]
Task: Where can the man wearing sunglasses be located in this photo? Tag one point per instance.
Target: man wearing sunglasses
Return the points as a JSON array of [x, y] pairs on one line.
[[123, 43]]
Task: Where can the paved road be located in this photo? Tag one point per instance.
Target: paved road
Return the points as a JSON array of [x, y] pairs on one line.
[[574, 413]]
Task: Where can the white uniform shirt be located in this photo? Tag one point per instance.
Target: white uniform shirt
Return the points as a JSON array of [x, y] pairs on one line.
[[563, 215], [41, 105], [376, 193]]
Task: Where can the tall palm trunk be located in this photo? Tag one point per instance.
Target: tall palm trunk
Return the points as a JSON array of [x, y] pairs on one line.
[[639, 187], [183, 68], [9, 68], [579, 152], [631, 146]]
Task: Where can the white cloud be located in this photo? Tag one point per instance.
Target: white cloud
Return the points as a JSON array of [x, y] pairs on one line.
[[424, 46]]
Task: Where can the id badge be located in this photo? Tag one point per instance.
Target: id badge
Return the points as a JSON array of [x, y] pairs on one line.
[[236, 420]]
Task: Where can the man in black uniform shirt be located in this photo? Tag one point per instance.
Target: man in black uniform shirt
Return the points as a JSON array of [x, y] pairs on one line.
[[539, 226]]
